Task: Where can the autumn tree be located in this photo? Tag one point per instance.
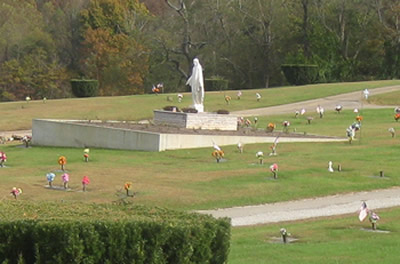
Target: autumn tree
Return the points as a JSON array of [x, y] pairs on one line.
[[113, 49]]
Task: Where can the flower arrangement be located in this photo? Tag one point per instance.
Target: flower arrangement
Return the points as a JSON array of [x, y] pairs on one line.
[[247, 122], [227, 99], [338, 108], [258, 96], [62, 161], [373, 219], [359, 118], [50, 178], [86, 154], [16, 192], [271, 127], [397, 116], [274, 169], [27, 99], [65, 179], [260, 156], [286, 125], [3, 158], [284, 234], [218, 154], [27, 139], [85, 182], [128, 188], [180, 97], [239, 95]]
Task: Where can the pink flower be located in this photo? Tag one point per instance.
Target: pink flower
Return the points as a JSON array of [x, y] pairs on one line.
[[65, 177], [85, 180]]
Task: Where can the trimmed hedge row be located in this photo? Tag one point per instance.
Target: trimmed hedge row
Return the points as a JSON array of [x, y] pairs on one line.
[[299, 74], [216, 84], [84, 88], [70, 233]]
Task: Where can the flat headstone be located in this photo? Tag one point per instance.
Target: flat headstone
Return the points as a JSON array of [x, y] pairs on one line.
[[279, 240], [375, 231]]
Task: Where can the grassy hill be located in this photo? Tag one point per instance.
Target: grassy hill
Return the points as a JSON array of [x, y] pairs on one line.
[[19, 115]]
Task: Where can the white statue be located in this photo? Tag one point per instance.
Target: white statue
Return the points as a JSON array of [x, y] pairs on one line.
[[330, 169], [366, 94], [196, 82]]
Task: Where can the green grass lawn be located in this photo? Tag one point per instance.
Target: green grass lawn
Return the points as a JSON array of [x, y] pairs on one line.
[[19, 115], [191, 179], [341, 239]]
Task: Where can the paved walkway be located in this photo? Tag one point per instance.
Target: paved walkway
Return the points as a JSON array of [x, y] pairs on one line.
[[348, 101], [316, 207], [308, 208]]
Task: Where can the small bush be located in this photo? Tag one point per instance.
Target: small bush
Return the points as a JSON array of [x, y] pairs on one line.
[[171, 108], [84, 88], [190, 110], [222, 112], [300, 74], [216, 84]]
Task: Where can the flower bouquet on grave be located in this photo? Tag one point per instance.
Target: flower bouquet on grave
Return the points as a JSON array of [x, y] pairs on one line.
[[271, 127], [62, 161], [16, 192], [227, 99], [284, 234], [65, 179], [397, 117], [373, 219], [86, 154], [260, 157], [359, 118], [50, 178], [218, 155], [274, 169], [3, 158], [128, 186], [286, 125], [27, 139], [85, 182]]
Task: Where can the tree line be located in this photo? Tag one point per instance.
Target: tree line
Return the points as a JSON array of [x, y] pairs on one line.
[[129, 45]]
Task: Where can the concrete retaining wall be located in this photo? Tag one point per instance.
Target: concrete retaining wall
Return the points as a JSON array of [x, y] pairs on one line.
[[67, 133]]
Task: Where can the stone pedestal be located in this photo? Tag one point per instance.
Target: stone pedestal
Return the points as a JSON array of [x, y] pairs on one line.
[[210, 121]]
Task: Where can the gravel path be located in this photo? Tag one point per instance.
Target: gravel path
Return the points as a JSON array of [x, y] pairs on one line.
[[317, 207]]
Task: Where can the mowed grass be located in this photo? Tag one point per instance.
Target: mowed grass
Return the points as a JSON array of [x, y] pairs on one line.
[[392, 98], [341, 239], [191, 179], [19, 115]]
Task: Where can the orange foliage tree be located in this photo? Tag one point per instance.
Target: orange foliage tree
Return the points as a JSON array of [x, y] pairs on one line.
[[112, 50]]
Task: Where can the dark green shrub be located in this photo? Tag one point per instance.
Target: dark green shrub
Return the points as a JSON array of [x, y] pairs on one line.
[[222, 112], [84, 88], [171, 108], [89, 233], [300, 74], [216, 84], [190, 110]]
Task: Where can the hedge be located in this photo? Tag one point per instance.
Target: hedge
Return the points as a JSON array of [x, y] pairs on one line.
[[299, 74], [84, 88], [216, 84], [88, 233]]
